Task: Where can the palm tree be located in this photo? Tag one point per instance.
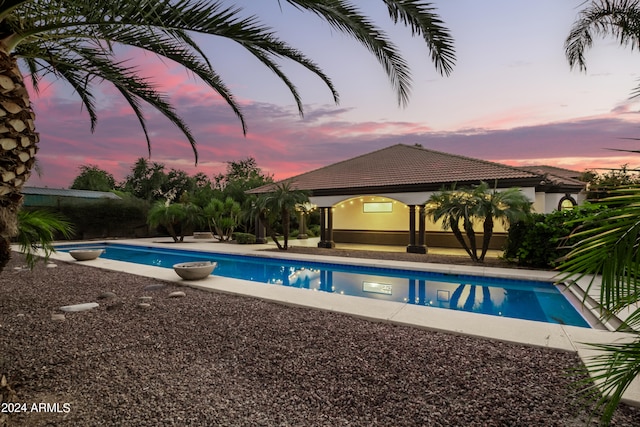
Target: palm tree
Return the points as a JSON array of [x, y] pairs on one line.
[[471, 205], [77, 41], [610, 249], [222, 217], [618, 18], [37, 230], [450, 207], [177, 218], [282, 201], [507, 206]]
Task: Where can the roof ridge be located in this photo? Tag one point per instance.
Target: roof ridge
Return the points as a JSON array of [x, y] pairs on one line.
[[551, 166]]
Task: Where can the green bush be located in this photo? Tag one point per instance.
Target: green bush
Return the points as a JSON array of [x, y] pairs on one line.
[[107, 218], [541, 240], [313, 230], [245, 238]]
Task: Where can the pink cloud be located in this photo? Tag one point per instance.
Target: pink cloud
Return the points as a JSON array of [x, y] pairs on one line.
[[286, 145]]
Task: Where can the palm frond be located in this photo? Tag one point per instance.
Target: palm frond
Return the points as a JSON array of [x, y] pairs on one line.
[[609, 249], [611, 372], [37, 230], [346, 18], [83, 66], [423, 20], [60, 36], [617, 18]]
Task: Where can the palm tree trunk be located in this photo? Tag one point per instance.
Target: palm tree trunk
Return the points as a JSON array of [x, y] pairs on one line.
[[471, 235], [488, 232], [18, 147], [269, 230], [172, 233], [286, 220], [460, 238]]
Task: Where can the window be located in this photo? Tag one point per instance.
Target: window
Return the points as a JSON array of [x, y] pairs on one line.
[[377, 207], [566, 203]]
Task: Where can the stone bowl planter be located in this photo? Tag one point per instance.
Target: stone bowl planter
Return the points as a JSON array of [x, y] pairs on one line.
[[196, 270], [85, 254]]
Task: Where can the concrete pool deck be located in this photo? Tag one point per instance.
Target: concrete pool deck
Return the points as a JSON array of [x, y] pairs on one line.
[[560, 337]]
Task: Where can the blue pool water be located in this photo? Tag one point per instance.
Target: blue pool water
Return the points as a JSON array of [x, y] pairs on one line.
[[531, 300]]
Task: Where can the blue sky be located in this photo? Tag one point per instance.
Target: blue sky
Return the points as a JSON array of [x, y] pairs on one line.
[[511, 98]]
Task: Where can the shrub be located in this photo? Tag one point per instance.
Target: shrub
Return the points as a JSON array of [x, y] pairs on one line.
[[540, 240], [313, 230], [107, 218], [245, 238]]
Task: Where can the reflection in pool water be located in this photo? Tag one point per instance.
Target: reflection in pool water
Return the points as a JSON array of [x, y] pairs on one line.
[[539, 301]]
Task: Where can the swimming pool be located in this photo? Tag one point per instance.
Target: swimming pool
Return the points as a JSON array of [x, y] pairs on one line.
[[521, 299]]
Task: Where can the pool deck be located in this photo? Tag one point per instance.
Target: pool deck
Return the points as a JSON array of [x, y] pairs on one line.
[[561, 337]]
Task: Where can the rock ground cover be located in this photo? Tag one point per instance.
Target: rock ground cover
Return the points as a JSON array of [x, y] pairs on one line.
[[218, 359]]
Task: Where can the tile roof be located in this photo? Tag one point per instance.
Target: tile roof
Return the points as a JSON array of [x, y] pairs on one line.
[[406, 168], [542, 169], [555, 175]]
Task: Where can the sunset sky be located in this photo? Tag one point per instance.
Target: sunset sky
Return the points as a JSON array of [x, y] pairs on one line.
[[511, 98]]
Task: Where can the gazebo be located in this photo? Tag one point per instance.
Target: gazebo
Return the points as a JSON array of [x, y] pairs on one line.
[[377, 198]]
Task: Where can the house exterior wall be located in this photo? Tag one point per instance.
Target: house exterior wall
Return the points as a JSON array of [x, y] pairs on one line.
[[548, 202], [350, 215]]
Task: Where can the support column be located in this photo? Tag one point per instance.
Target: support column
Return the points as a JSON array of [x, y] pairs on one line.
[[302, 227], [260, 231], [413, 248], [326, 228], [422, 228], [323, 225]]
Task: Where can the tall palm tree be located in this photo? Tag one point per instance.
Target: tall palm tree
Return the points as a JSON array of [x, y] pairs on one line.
[[77, 41]]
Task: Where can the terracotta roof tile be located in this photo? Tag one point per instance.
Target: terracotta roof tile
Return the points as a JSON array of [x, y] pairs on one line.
[[404, 165], [555, 175]]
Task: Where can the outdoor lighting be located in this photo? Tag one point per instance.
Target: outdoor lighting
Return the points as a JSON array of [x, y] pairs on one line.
[[377, 288]]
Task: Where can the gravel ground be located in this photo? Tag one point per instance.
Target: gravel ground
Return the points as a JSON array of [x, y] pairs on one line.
[[212, 359]]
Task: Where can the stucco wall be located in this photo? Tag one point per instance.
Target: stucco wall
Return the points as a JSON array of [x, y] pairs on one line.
[[548, 202], [349, 215]]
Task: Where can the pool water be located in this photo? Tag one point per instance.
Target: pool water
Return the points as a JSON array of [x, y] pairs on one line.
[[520, 299]]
